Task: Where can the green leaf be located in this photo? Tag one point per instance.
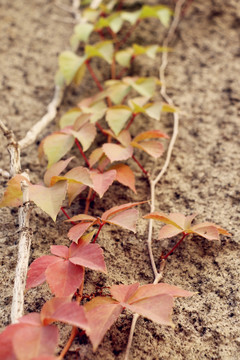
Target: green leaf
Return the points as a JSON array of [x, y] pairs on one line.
[[117, 116], [102, 49], [164, 16], [91, 15], [49, 199], [56, 145], [69, 64], [144, 86], [123, 57], [117, 90], [154, 110], [69, 117], [82, 32], [131, 17]]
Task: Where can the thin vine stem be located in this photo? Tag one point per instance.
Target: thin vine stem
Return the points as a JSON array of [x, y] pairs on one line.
[[153, 182]]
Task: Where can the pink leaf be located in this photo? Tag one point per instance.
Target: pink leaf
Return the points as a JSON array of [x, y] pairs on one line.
[[48, 199], [85, 135], [123, 292], [149, 290], [60, 250], [152, 148], [101, 314], [208, 232], [36, 272], [157, 308], [125, 175], [6, 346], [168, 231], [95, 156], [88, 255], [64, 310], [31, 319], [81, 217], [116, 209], [101, 182], [64, 277], [78, 230], [55, 170], [152, 134], [78, 174], [165, 218], [117, 152], [126, 219], [31, 341]]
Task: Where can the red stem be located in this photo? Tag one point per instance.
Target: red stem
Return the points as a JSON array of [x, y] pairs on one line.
[[128, 34], [99, 229], [90, 69], [65, 213], [131, 121], [82, 153], [177, 244], [141, 167]]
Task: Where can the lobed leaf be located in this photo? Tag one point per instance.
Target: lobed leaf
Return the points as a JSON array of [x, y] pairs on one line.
[[64, 278], [125, 175], [64, 310], [31, 341], [55, 170], [49, 199], [117, 152], [117, 116], [102, 181], [69, 64], [36, 273], [55, 146], [101, 314]]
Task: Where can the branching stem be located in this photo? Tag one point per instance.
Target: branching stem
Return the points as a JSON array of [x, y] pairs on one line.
[[177, 244]]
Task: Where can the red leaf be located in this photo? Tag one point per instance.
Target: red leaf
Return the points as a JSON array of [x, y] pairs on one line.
[[31, 341], [36, 272], [123, 292], [31, 319], [6, 346], [125, 175], [78, 230], [101, 314], [87, 255], [60, 250], [101, 182], [158, 289], [157, 308], [117, 152], [64, 310], [64, 277]]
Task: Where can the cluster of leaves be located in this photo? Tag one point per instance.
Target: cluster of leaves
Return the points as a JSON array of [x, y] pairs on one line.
[[111, 113]]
